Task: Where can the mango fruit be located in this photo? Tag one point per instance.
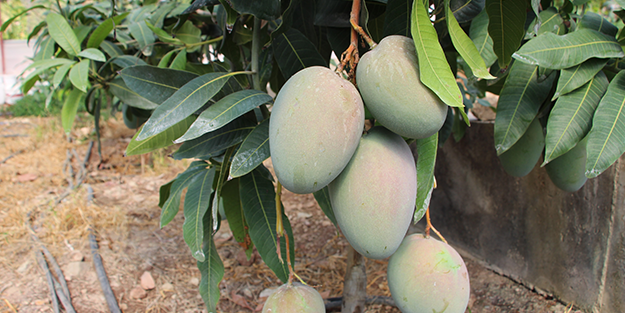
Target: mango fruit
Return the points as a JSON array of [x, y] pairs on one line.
[[316, 123], [294, 298], [388, 80], [521, 158], [374, 197], [567, 171], [426, 275]]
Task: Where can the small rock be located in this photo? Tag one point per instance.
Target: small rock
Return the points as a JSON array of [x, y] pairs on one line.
[[303, 215], [194, 281], [138, 293], [167, 287], [147, 281], [75, 269], [77, 256]]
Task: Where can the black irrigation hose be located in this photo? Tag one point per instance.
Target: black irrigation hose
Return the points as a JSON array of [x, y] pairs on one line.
[[104, 281], [334, 303], [50, 279]]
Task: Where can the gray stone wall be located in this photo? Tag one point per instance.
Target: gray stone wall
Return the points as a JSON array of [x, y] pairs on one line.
[[571, 245]]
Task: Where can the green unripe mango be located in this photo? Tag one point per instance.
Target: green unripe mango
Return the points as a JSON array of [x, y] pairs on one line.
[[316, 122], [374, 197], [426, 275], [521, 158], [388, 80], [294, 298], [568, 171]]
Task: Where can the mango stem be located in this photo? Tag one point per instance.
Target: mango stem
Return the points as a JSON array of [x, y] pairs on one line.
[[430, 226]]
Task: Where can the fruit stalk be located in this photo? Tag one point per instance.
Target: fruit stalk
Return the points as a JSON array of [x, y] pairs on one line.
[[430, 226]]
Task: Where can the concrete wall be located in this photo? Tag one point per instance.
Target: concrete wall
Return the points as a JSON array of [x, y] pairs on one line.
[[571, 245]]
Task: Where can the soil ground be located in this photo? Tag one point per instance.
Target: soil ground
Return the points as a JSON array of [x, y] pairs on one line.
[[125, 217]]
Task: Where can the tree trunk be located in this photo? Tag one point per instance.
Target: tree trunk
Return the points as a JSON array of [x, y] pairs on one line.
[[355, 285]]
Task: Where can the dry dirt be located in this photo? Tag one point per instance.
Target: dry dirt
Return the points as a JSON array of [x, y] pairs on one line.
[[125, 218]]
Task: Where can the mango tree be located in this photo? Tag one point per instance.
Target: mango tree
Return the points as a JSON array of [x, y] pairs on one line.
[[205, 72]]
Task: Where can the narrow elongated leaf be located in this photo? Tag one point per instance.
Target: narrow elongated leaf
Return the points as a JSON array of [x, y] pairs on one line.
[[234, 213], [263, 9], [44, 65], [164, 192], [551, 22], [70, 107], [171, 205], [506, 27], [62, 33], [519, 101], [79, 75], [119, 89], [464, 46], [8, 22], [481, 39], [144, 36], [323, 199], [104, 29], [154, 83], [258, 199], [184, 102], [190, 35], [93, 54], [605, 140], [213, 143], [222, 176], [164, 36], [253, 151], [164, 62], [433, 67], [557, 52], [592, 20], [426, 148], [212, 271], [573, 77], [226, 110], [293, 52], [571, 117], [397, 20], [82, 32], [160, 140], [60, 74], [196, 204], [180, 61], [46, 49], [111, 49]]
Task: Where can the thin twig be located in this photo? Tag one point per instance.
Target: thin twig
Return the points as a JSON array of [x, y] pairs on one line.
[[50, 279], [10, 156], [104, 281], [9, 305]]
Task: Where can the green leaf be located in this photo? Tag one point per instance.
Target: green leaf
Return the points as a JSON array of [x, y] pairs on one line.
[[519, 101], [171, 206], [8, 22], [60, 74], [62, 33], [180, 61], [253, 151], [184, 102], [160, 140], [153, 83], [82, 32], [159, 15], [111, 49], [93, 54], [397, 20], [551, 22], [464, 46], [481, 39], [212, 271], [592, 20], [605, 140], [164, 192], [433, 67], [79, 75], [263, 9], [426, 148], [222, 176], [323, 199], [573, 77], [293, 52], [234, 213], [104, 29], [224, 111], [196, 204], [190, 35], [144, 36], [44, 65], [571, 117], [557, 52], [164, 62], [213, 143], [119, 89], [70, 107], [258, 199], [164, 36], [46, 49], [506, 27]]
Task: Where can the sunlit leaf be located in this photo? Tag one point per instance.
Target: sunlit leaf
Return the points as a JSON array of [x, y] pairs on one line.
[[196, 204], [605, 140], [93, 54], [70, 107], [574, 77], [60, 74], [557, 52], [8, 22], [180, 61], [253, 151], [154, 83], [426, 148], [211, 144], [571, 117], [62, 33], [79, 75], [144, 36], [104, 29], [160, 140]]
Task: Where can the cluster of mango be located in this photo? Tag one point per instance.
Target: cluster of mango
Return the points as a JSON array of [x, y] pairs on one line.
[[316, 140]]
